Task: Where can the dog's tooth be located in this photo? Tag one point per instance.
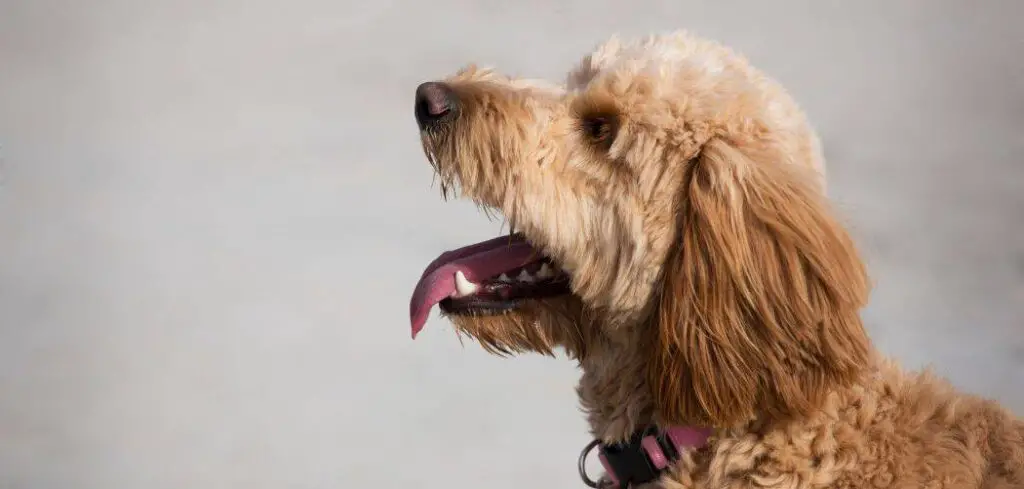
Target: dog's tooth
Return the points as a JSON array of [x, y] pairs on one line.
[[504, 278], [545, 272], [463, 287], [524, 276]]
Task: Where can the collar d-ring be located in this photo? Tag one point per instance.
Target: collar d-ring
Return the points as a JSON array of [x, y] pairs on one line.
[[582, 464]]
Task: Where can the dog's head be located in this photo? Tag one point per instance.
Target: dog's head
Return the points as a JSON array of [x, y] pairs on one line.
[[670, 199]]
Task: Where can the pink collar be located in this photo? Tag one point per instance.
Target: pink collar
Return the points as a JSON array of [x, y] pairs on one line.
[[643, 457]]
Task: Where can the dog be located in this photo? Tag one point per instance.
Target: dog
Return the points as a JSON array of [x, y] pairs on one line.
[[670, 231]]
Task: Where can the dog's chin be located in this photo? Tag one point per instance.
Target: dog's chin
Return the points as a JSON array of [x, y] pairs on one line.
[[530, 325]]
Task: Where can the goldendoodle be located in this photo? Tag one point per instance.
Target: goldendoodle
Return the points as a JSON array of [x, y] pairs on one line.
[[671, 233]]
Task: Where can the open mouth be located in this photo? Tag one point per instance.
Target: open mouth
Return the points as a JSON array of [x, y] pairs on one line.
[[492, 277]]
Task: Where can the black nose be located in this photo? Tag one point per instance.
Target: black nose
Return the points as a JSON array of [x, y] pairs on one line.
[[435, 101]]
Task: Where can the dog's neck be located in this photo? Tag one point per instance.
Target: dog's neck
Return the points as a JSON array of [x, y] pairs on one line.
[[613, 392], [615, 395]]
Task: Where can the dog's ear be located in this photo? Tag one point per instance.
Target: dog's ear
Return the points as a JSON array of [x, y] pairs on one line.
[[759, 313]]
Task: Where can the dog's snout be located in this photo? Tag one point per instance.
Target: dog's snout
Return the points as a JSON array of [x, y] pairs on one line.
[[435, 101]]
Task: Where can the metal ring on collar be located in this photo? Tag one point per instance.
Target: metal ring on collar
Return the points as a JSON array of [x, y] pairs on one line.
[[582, 464]]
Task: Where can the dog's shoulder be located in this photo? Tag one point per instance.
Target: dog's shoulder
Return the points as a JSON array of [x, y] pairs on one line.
[[896, 429]]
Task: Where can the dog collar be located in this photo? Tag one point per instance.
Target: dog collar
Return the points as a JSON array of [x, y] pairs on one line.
[[643, 457]]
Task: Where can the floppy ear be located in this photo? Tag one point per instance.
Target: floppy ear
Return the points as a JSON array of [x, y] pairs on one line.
[[760, 308]]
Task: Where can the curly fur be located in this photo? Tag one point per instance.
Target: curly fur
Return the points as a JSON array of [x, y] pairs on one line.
[[712, 284]]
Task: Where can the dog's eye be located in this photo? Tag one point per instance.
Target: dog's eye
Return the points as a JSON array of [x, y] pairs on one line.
[[597, 129], [597, 121]]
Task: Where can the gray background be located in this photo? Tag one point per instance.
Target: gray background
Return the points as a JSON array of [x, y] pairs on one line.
[[212, 214]]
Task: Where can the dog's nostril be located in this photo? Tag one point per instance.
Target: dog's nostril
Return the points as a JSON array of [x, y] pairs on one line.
[[434, 101]]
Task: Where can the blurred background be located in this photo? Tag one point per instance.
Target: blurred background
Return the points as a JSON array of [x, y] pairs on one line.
[[212, 214]]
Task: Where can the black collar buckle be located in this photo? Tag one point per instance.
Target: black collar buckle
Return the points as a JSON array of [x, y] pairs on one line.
[[639, 460]]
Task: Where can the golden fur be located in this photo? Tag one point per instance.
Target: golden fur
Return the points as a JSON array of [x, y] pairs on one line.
[[712, 284]]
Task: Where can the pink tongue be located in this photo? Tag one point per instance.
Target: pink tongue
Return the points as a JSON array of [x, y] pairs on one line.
[[477, 262]]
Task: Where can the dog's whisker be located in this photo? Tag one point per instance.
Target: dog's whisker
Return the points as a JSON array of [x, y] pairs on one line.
[[459, 335]]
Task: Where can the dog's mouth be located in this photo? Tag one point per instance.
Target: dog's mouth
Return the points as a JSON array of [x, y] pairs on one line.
[[492, 277]]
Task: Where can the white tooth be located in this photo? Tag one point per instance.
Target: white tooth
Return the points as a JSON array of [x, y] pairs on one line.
[[504, 278], [545, 272], [524, 277], [463, 286]]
